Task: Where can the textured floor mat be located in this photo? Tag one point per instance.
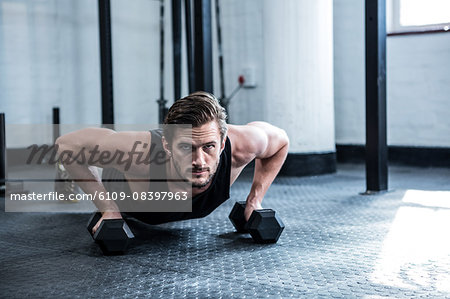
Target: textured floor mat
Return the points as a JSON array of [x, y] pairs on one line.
[[336, 243]]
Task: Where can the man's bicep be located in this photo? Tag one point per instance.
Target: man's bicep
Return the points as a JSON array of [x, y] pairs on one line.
[[108, 149], [248, 142], [271, 139], [82, 141], [125, 151]]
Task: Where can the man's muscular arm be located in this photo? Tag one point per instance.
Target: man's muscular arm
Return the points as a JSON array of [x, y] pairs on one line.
[[101, 141], [268, 145]]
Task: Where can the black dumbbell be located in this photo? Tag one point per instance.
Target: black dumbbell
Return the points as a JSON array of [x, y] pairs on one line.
[[237, 217], [113, 235], [263, 225]]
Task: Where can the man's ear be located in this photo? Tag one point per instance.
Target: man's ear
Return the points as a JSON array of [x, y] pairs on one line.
[[222, 146], [166, 146]]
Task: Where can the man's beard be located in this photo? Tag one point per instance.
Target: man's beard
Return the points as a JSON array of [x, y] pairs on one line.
[[195, 185]]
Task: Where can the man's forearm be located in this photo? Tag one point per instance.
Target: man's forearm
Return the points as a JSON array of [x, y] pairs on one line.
[[91, 183], [81, 171], [265, 172]]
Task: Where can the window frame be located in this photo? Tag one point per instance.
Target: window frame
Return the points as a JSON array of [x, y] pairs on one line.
[[393, 23]]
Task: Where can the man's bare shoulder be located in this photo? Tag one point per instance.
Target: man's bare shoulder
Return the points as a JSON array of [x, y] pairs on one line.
[[134, 144], [114, 146], [106, 137], [247, 142], [129, 138]]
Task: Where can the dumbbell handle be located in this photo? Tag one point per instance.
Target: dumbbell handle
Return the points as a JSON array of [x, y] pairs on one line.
[[113, 223], [92, 222], [263, 210], [97, 216]]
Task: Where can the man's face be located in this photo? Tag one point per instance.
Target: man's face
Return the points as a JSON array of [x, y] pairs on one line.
[[196, 153]]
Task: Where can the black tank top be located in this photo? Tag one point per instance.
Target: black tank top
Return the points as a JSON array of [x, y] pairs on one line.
[[202, 204]]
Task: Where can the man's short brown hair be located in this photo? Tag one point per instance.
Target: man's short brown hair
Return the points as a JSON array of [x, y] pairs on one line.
[[196, 109]]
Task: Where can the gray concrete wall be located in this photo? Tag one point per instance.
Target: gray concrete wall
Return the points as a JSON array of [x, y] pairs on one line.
[[49, 56], [418, 85]]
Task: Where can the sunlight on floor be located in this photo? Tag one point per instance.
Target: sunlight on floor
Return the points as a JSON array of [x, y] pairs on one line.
[[416, 251]]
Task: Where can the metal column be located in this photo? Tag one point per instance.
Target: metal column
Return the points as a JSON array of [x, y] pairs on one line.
[[203, 46], [176, 39], [161, 101], [2, 151], [219, 47], [189, 45], [56, 123], [376, 144], [104, 14]]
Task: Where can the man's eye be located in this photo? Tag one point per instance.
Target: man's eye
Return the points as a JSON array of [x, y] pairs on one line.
[[209, 147], [185, 147]]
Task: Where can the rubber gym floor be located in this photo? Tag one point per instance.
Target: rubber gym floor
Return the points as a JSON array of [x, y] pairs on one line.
[[336, 244]]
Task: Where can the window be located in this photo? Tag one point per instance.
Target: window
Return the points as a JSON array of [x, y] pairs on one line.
[[415, 16]]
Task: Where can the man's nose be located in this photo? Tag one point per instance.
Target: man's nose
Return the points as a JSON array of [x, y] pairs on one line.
[[198, 158]]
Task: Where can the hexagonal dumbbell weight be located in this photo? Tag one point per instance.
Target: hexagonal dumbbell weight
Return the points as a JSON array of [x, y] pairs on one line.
[[113, 235], [263, 225], [237, 217]]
